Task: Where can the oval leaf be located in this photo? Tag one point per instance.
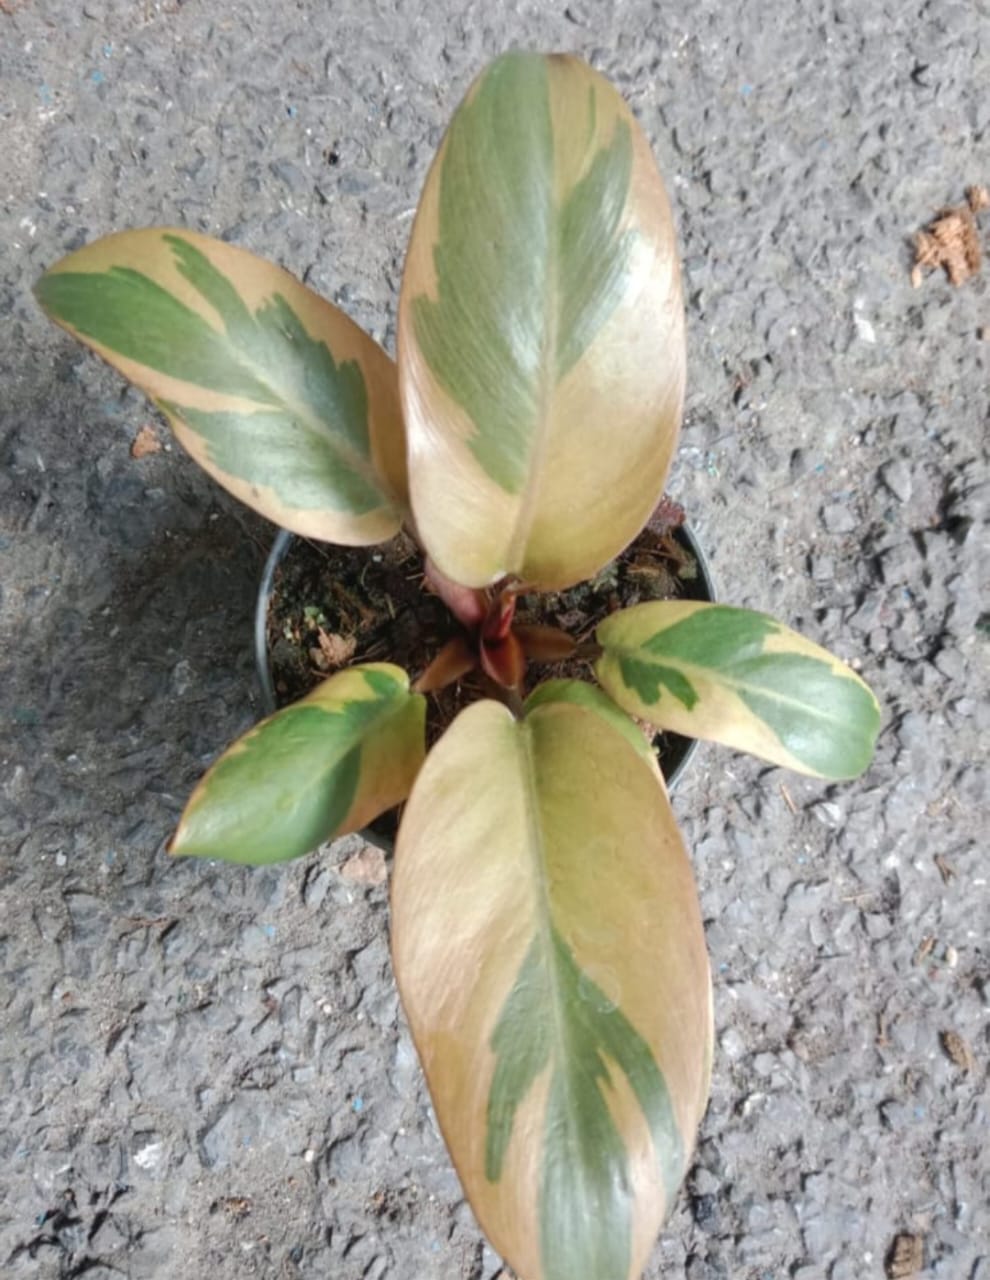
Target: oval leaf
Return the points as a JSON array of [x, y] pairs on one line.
[[549, 951], [276, 393], [541, 330], [320, 768], [742, 679]]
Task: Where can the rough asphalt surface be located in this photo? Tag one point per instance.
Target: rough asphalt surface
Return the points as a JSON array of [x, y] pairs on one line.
[[204, 1072]]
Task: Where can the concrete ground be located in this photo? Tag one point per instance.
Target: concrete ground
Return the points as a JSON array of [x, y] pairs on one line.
[[203, 1069]]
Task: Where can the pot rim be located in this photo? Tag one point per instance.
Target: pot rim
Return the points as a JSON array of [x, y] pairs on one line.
[[701, 588]]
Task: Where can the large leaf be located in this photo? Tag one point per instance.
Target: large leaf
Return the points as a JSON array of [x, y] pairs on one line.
[[276, 393], [740, 678], [550, 956], [541, 330], [322, 767]]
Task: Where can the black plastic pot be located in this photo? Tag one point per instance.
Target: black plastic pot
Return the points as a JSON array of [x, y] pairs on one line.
[[677, 750]]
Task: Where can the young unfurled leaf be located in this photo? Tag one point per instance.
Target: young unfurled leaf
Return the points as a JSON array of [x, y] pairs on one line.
[[541, 330], [457, 657], [319, 768], [503, 660], [276, 393], [541, 643], [740, 678], [500, 615], [550, 955]]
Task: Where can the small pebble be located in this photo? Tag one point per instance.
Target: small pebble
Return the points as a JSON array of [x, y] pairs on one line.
[[897, 478], [839, 519]]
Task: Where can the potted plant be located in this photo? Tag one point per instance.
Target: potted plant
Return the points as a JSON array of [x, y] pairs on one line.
[[546, 933], [319, 609]]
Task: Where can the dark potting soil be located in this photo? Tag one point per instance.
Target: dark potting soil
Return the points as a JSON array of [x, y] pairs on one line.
[[331, 607]]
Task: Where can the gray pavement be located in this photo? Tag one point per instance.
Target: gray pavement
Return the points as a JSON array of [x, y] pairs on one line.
[[203, 1069]]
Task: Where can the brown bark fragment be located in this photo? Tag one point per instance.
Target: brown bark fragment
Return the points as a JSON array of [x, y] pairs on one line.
[[146, 441], [958, 1050], [951, 240], [906, 1257]]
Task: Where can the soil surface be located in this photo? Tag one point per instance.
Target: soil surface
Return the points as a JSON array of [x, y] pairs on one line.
[[204, 1071], [331, 607]]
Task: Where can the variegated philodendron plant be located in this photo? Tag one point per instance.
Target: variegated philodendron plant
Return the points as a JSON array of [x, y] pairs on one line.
[[546, 933]]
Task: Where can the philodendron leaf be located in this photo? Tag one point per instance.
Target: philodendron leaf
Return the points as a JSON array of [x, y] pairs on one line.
[[276, 393], [319, 768], [740, 678], [550, 956], [541, 329], [587, 695]]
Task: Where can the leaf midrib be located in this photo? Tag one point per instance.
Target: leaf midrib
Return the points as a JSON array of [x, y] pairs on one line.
[[562, 1039], [349, 457], [545, 392], [335, 757]]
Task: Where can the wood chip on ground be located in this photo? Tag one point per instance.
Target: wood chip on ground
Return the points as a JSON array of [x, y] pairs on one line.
[[958, 1050], [906, 1257], [236, 1206], [366, 867], [336, 650], [951, 240], [146, 441]]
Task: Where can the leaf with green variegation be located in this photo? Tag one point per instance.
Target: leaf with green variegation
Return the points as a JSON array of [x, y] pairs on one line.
[[317, 769], [742, 679], [541, 331], [550, 955], [276, 393]]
